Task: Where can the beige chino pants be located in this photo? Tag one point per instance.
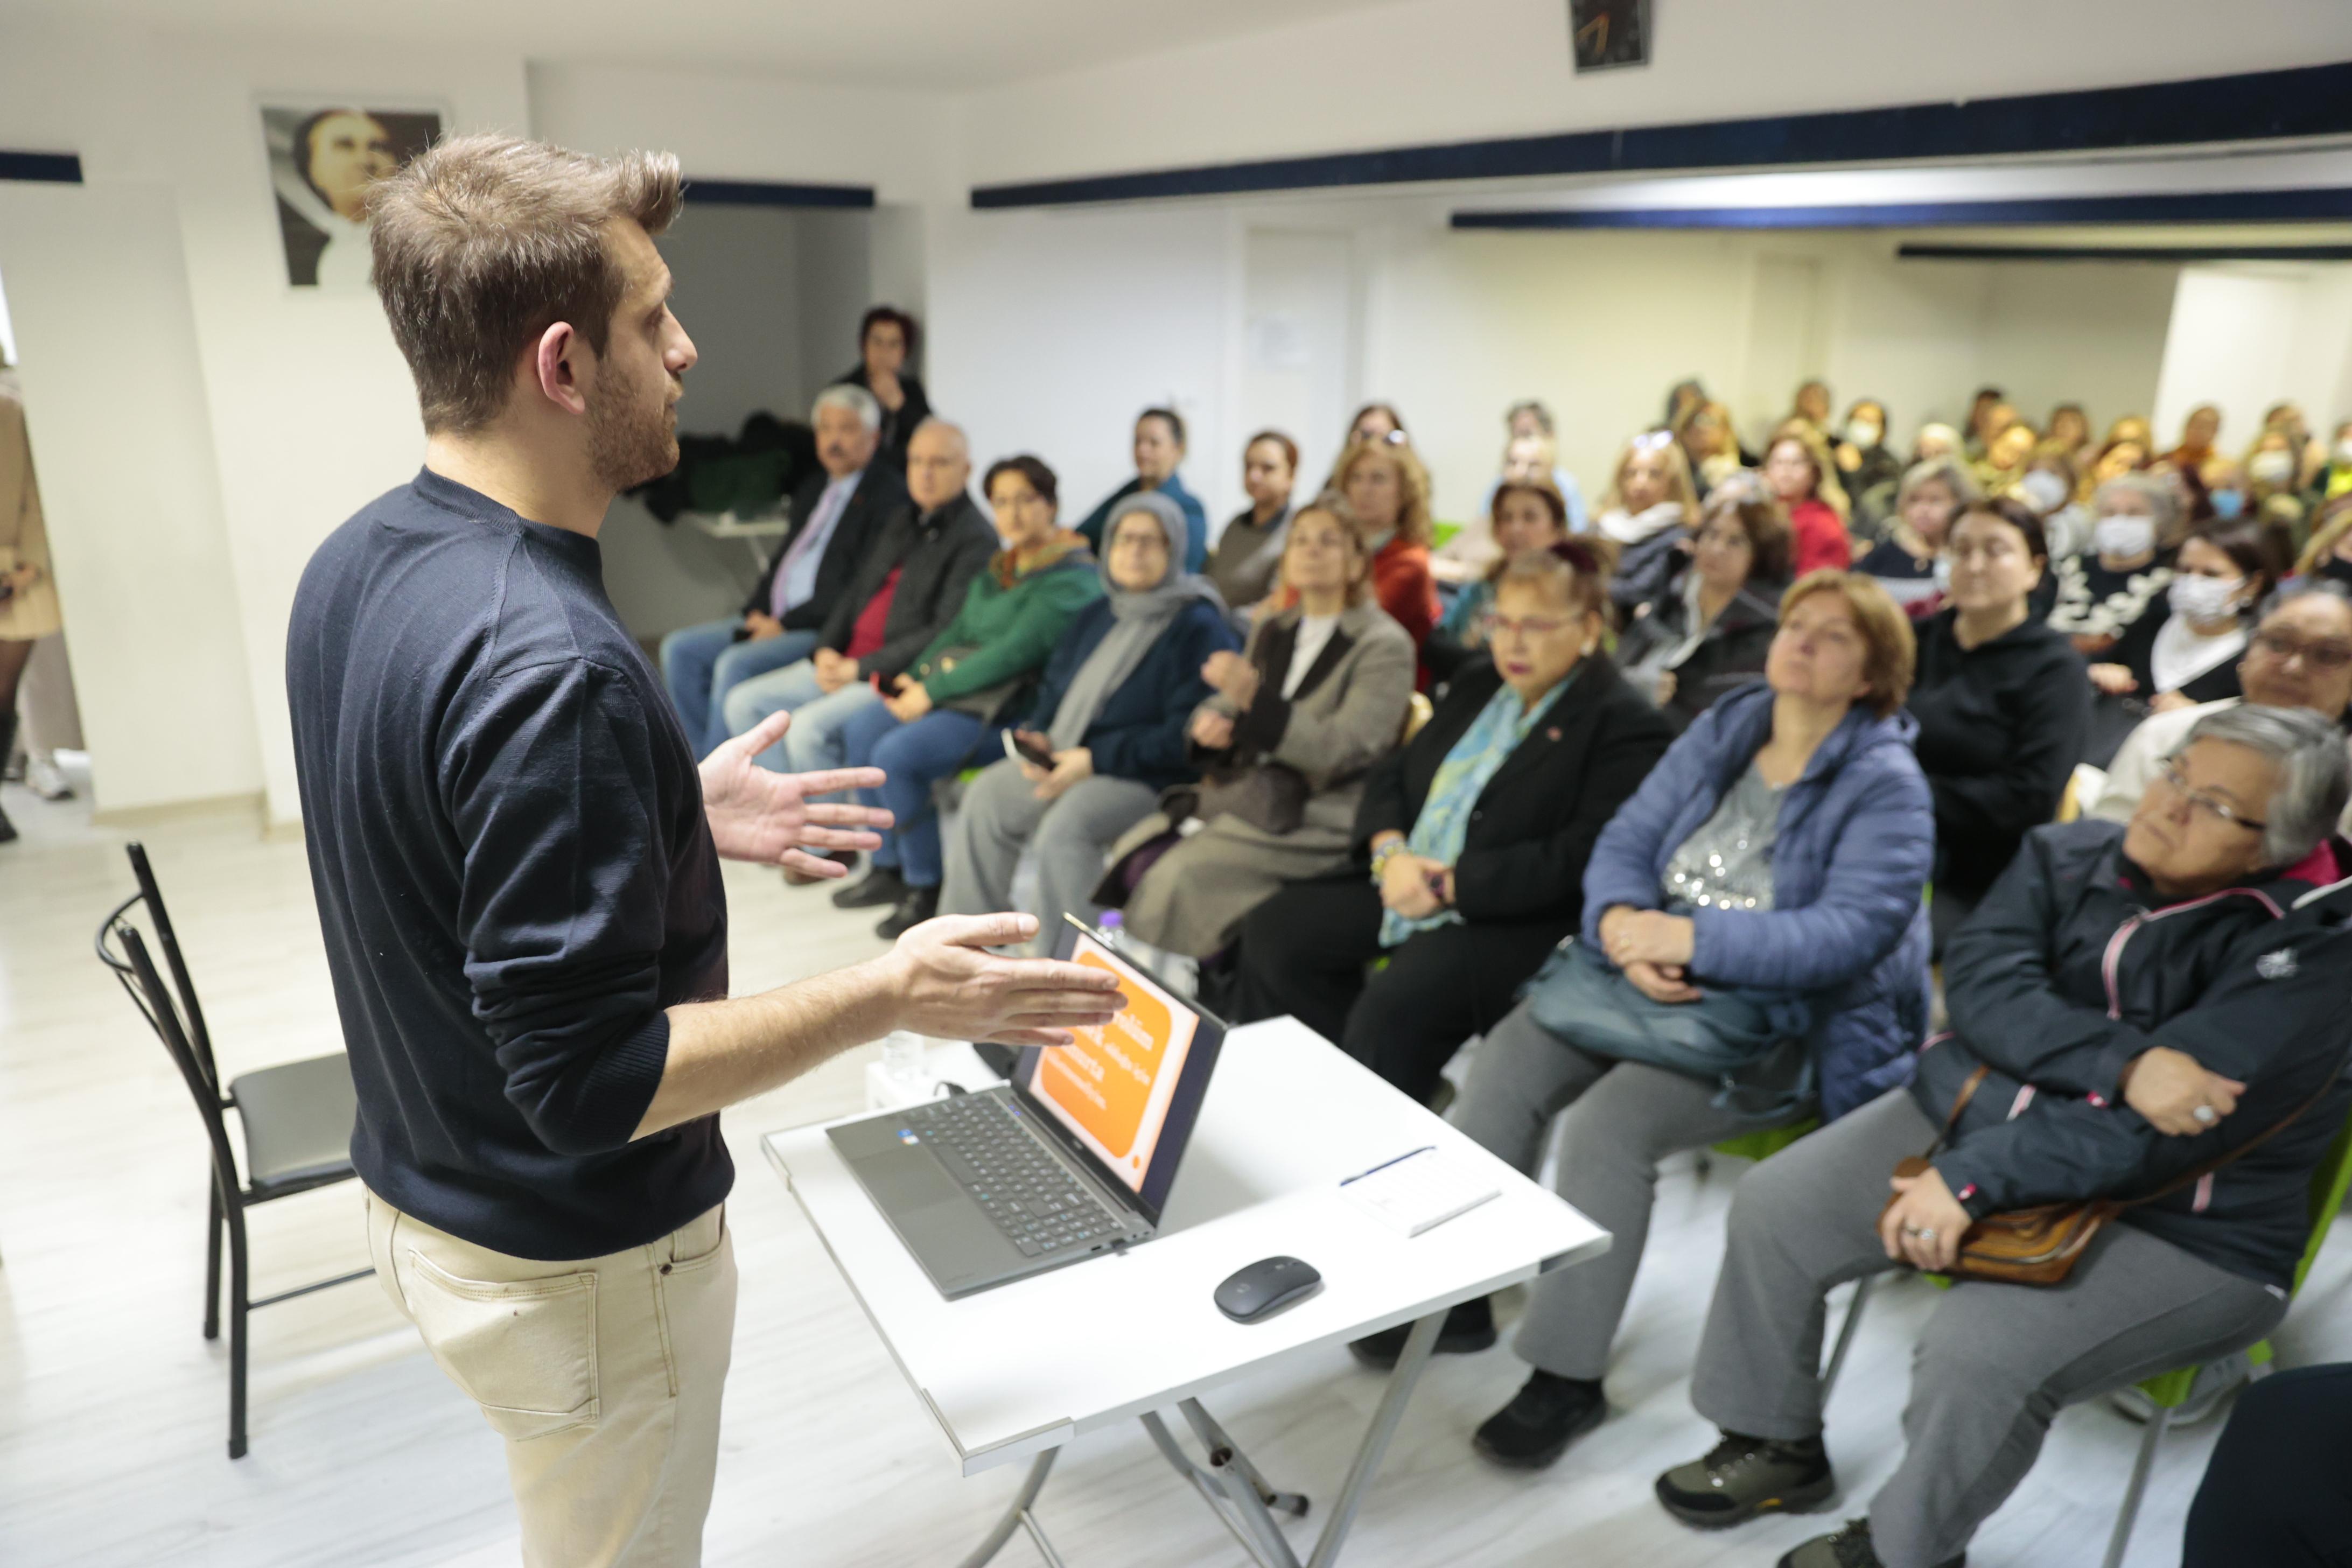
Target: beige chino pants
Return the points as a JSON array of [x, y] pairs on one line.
[[602, 1375]]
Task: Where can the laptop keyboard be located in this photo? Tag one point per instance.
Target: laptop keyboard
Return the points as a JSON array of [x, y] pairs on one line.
[[1033, 1199]]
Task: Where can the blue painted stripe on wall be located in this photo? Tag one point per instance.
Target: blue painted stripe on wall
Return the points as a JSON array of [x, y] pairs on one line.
[[54, 168], [2171, 254], [2260, 106], [776, 194], [2198, 206]]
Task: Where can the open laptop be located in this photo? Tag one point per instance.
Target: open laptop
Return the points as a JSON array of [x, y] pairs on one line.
[[1073, 1157]]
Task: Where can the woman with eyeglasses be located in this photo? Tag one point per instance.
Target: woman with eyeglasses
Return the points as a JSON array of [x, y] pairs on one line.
[[2002, 706], [2300, 656], [1711, 631], [1528, 515], [1469, 845], [2150, 1013]]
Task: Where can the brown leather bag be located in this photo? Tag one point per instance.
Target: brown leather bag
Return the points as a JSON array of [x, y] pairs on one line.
[[2041, 1246]]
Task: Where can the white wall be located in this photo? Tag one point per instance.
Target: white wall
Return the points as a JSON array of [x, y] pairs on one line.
[[2245, 336]]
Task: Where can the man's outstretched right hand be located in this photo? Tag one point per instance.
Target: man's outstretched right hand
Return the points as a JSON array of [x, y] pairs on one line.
[[951, 986]]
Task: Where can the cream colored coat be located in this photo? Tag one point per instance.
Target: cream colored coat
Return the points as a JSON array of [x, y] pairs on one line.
[[32, 613]]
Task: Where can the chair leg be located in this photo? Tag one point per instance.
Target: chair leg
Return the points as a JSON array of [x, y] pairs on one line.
[[2129, 1515], [212, 1221], [236, 1315], [1845, 1334]]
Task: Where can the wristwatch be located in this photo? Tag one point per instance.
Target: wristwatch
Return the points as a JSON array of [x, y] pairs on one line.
[[1382, 855]]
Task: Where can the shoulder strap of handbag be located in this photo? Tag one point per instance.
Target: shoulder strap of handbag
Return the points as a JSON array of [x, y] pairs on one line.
[[2188, 1178]]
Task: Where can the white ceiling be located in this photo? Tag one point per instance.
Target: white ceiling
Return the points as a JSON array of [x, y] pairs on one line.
[[911, 42]]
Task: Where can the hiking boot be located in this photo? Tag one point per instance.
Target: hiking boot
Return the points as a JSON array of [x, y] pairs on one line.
[[1469, 1327], [919, 905], [1848, 1548], [1541, 1420], [881, 885], [1741, 1478]]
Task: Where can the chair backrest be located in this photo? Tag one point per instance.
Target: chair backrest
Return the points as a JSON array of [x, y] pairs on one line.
[[199, 1038], [124, 951], [2329, 1185]]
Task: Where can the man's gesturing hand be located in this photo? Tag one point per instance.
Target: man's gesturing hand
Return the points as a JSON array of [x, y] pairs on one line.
[[949, 985], [765, 817]]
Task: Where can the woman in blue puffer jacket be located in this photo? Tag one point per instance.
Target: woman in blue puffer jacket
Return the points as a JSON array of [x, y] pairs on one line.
[[1762, 885]]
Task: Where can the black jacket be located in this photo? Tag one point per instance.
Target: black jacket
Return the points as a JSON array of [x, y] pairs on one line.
[[2001, 728], [880, 496], [937, 556], [1730, 654], [1534, 826], [2070, 968], [898, 427], [2136, 651]]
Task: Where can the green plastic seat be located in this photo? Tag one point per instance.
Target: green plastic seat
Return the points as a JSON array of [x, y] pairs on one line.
[[1440, 533]]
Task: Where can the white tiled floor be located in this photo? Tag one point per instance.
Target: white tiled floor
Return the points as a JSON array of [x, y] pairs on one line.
[[113, 1407]]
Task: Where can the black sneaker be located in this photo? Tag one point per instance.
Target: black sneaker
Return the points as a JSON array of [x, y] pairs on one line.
[[1541, 1420], [881, 885], [919, 905], [1469, 1327], [1848, 1548], [7, 828], [1741, 1478]]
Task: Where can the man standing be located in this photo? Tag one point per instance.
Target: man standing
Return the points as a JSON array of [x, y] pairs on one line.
[[517, 863], [838, 516], [910, 586]]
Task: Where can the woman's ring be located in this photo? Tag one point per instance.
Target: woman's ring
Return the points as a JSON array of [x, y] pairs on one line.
[[2204, 1115], [1924, 1234]]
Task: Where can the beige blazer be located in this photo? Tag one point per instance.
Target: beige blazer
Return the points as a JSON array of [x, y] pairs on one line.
[[32, 613]]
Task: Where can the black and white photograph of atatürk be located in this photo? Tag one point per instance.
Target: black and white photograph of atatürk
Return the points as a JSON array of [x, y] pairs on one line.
[[321, 158]]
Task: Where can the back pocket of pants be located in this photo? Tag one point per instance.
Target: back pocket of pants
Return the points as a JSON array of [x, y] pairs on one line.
[[525, 1350]]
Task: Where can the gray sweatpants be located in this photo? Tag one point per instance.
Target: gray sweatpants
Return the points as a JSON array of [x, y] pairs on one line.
[[1996, 1363], [1622, 1119], [1000, 815]]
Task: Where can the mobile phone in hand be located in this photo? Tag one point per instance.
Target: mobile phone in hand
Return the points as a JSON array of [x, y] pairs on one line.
[[1020, 749]]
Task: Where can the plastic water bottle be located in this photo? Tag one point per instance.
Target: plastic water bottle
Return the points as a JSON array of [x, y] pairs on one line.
[[902, 1057]]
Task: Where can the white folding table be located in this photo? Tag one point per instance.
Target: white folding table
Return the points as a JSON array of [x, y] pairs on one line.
[[1016, 1371]]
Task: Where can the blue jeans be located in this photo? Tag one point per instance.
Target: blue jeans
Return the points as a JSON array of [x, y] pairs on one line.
[[749, 703], [915, 756], [701, 663]]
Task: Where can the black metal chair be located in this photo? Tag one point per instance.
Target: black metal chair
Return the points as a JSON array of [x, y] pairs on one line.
[[295, 1118]]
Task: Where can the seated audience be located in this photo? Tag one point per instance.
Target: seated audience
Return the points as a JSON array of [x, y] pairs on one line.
[[909, 587], [2274, 489], [1159, 448], [1710, 447], [1527, 422], [2108, 589], [2069, 431], [937, 717], [2006, 453], [1712, 629], [1647, 516], [1111, 710], [1295, 723], [2335, 477], [2273, 1493], [837, 517], [1387, 489], [887, 339], [1759, 893], [2329, 551], [1249, 553], [1811, 407], [1874, 510], [1528, 515], [1984, 422], [2185, 650], [2197, 434], [1474, 837], [2123, 1025], [1863, 459], [1910, 563], [1684, 398], [1803, 479], [2047, 488], [2300, 656], [1376, 422], [2002, 706], [2117, 457]]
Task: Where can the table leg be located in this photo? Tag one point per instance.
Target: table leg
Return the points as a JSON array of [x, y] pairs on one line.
[[1419, 1346], [1018, 1517], [1261, 1540]]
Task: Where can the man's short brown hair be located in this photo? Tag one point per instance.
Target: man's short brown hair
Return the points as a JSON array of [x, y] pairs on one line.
[[481, 243]]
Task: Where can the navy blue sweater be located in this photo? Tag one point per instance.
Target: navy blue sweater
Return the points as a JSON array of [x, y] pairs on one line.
[[513, 871], [1139, 734]]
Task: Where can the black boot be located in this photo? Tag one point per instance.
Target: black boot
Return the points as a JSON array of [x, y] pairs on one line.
[[1469, 1327], [881, 885], [1541, 1420], [8, 744], [917, 906]]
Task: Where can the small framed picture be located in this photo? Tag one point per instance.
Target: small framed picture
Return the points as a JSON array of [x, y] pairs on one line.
[[1605, 34], [322, 155]]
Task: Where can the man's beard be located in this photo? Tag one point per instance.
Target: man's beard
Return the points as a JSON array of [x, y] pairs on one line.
[[626, 447]]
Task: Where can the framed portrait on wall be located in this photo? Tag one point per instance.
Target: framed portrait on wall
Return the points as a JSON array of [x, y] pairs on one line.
[[323, 154], [1606, 34]]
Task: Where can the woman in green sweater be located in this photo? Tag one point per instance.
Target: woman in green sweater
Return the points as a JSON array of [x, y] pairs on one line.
[[942, 715]]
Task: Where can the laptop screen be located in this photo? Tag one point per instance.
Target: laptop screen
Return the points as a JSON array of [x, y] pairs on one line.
[[1124, 1096]]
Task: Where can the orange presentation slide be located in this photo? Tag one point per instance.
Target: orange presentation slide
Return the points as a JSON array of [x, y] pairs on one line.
[[1112, 1085]]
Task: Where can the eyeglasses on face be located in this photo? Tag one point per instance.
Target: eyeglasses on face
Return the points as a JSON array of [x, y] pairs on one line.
[[2204, 800], [2330, 657], [1498, 627]]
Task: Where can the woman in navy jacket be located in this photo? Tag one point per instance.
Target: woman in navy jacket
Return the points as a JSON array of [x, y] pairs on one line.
[[1111, 711], [1781, 846]]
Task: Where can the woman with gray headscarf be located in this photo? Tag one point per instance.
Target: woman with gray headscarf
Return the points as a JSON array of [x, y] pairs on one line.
[[1110, 712]]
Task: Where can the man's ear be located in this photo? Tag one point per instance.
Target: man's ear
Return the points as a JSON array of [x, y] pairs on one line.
[[560, 357]]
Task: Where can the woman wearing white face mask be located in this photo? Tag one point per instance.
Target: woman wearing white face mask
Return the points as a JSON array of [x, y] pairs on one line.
[[2187, 652], [2048, 487], [2108, 589], [1862, 458]]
